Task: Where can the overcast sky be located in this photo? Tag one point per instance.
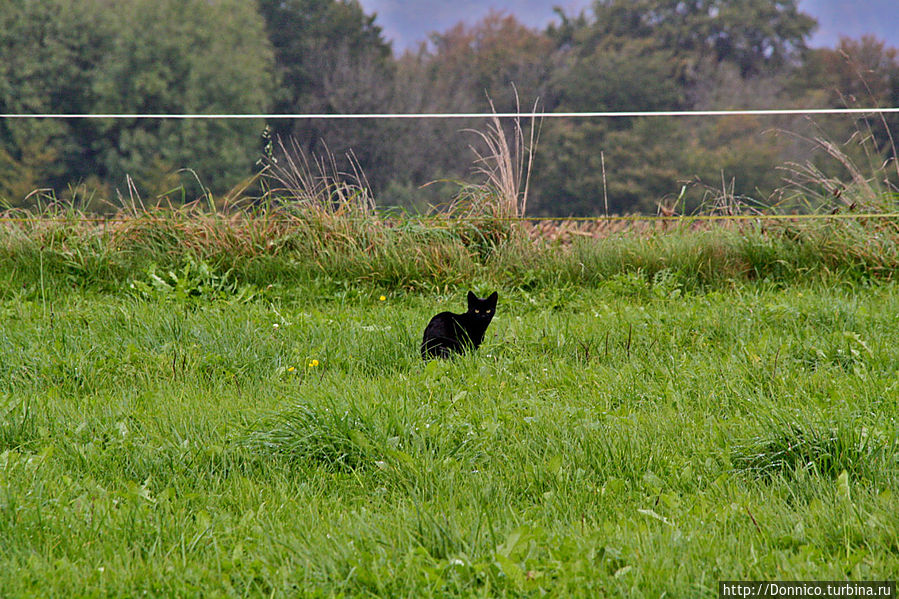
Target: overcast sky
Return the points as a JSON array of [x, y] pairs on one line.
[[409, 21]]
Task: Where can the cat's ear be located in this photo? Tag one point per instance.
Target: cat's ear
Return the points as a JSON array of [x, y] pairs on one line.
[[493, 297], [472, 297]]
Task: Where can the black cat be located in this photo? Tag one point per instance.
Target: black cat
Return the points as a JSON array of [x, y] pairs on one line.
[[448, 332]]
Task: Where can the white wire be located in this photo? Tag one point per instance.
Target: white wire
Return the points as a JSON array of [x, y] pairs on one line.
[[465, 115]]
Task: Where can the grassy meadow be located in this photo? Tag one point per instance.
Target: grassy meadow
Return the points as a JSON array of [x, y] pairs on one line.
[[240, 409]]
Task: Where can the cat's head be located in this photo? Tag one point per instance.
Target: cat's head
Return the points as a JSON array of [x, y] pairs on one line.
[[482, 308]]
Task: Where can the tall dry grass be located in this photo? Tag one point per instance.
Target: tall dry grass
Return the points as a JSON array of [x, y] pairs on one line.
[[505, 162]]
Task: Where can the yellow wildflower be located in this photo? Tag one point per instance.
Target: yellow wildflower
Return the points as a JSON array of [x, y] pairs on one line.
[[382, 298], [313, 363]]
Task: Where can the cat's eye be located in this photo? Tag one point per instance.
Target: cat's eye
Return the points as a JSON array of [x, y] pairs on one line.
[[477, 311]]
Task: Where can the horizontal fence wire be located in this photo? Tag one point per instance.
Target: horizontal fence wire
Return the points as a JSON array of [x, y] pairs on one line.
[[464, 115], [476, 219]]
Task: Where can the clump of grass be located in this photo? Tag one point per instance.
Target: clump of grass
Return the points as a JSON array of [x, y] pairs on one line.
[[17, 425], [483, 214], [316, 184], [853, 175], [327, 437], [790, 446], [331, 221]]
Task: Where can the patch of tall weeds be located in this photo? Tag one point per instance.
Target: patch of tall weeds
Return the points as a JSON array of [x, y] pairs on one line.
[[793, 444]]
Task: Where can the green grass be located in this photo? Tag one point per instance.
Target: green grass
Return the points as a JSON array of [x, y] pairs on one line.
[[644, 432], [303, 247]]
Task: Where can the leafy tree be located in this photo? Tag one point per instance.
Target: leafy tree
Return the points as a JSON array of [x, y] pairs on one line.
[[586, 168], [645, 55], [756, 35], [457, 72], [330, 57], [619, 74], [857, 73], [47, 53], [184, 56], [168, 56], [493, 58], [309, 38]]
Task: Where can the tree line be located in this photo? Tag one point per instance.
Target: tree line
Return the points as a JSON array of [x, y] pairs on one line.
[[329, 56]]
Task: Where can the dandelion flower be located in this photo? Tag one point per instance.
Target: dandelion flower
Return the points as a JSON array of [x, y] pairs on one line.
[[291, 369], [382, 298], [313, 363]]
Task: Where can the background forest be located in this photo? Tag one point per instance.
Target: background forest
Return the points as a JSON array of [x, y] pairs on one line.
[[313, 56]]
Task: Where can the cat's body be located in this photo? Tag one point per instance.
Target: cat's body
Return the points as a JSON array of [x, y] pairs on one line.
[[449, 333]]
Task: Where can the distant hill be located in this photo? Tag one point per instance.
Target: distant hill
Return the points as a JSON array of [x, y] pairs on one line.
[[407, 22]]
